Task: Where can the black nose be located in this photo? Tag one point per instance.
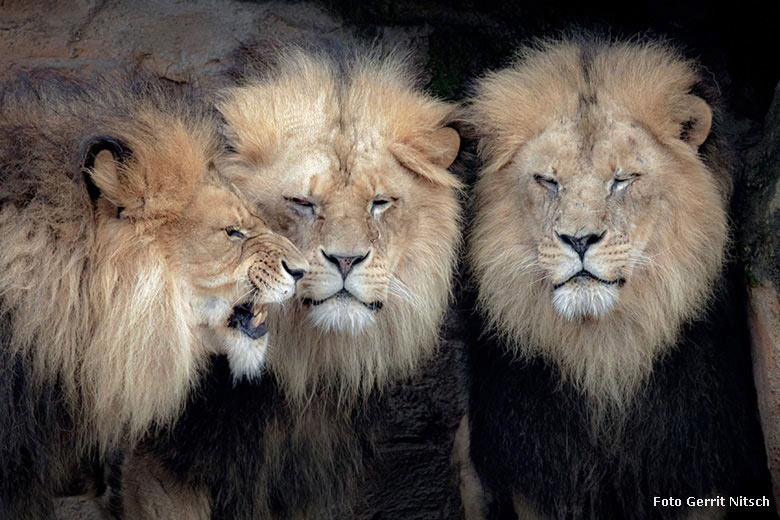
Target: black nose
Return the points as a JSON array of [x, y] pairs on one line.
[[581, 243], [297, 274], [344, 263]]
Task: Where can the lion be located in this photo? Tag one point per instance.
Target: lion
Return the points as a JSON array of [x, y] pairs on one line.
[[348, 158], [614, 364], [126, 260]]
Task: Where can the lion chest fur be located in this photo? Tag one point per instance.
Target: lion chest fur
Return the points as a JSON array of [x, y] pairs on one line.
[[691, 431]]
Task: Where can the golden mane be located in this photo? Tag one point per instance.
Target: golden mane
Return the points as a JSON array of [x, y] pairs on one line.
[[366, 108], [99, 313], [650, 87]]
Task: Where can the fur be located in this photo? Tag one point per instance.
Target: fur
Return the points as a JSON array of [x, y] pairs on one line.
[[558, 99], [102, 294], [586, 404], [335, 134], [356, 120]]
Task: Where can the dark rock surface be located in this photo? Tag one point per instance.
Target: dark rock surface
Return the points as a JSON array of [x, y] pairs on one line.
[[760, 247]]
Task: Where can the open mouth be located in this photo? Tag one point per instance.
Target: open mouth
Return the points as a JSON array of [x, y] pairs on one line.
[[587, 274], [249, 318], [343, 293]]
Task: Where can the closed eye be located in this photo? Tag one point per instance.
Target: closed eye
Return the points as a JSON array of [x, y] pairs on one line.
[[380, 204], [300, 202], [549, 183], [234, 232], [621, 182], [301, 206]]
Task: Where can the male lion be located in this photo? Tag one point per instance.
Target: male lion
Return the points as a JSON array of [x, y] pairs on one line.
[[615, 365], [126, 258], [348, 159]]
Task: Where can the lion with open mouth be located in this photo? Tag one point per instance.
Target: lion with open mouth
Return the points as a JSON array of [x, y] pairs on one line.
[[347, 158], [126, 260]]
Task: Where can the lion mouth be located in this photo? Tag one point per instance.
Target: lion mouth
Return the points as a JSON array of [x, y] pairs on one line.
[[250, 319], [343, 293], [587, 274]]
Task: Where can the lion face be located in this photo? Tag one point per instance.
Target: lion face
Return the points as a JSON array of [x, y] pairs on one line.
[[353, 227], [230, 265], [352, 168], [151, 257], [600, 210], [237, 268], [599, 227]]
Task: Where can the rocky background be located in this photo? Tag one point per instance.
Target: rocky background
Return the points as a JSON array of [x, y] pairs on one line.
[[195, 42]]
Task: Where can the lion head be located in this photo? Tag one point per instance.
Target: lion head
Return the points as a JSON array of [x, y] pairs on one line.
[[600, 209], [349, 161], [121, 275]]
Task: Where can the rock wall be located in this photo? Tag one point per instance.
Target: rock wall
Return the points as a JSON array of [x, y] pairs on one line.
[[761, 250]]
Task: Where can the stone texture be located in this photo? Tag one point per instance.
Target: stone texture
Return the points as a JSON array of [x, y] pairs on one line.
[[764, 322], [760, 242], [177, 40]]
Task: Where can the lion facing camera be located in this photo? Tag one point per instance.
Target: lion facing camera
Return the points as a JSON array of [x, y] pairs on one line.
[[614, 365], [348, 158], [126, 259]]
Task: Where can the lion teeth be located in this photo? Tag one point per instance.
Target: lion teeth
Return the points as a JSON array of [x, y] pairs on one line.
[[260, 314]]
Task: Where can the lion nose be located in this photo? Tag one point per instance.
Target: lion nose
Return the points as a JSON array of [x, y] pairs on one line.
[[344, 263], [580, 243], [296, 272]]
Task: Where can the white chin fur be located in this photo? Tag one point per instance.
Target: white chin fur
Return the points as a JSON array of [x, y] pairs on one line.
[[246, 356], [584, 300], [341, 315]]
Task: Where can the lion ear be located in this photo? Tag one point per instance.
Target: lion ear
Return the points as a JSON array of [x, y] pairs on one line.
[[695, 119], [100, 167], [430, 157], [445, 143]]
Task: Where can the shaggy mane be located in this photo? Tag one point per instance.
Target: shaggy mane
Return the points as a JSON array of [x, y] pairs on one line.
[[607, 359], [315, 99], [100, 313]]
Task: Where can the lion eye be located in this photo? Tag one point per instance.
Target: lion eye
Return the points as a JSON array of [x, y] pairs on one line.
[[301, 206], [233, 232], [547, 182], [621, 183], [379, 205]]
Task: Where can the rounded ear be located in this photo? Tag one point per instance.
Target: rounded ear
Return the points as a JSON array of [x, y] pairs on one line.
[[445, 142], [696, 120], [430, 157], [100, 159]]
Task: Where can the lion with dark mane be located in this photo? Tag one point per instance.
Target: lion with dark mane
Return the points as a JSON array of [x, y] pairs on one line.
[[126, 259], [614, 366], [348, 158]]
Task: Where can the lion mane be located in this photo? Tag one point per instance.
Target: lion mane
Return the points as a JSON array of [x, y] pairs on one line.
[[613, 363], [362, 115], [346, 156], [672, 273], [101, 187]]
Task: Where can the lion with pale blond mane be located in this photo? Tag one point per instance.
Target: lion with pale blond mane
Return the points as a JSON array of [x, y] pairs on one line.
[[598, 252], [126, 259], [348, 158]]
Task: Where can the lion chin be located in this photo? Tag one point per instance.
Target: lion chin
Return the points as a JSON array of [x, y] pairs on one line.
[[583, 299], [342, 313]]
